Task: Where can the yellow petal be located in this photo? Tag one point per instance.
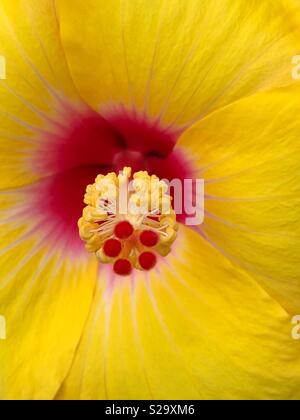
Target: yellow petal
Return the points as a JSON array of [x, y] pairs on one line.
[[36, 71], [198, 328], [294, 11], [249, 155], [45, 299], [176, 59]]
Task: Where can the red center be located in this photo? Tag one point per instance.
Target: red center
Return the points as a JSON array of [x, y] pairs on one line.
[[84, 145]]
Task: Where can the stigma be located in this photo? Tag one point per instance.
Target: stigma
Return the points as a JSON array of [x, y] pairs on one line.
[[128, 221]]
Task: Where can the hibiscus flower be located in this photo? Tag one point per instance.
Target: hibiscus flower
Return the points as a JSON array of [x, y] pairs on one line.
[[195, 89]]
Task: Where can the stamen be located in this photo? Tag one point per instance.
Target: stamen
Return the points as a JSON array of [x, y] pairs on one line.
[[121, 222]]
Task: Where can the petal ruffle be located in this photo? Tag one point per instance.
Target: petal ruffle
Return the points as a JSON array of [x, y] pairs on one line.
[[176, 60], [249, 155], [198, 328]]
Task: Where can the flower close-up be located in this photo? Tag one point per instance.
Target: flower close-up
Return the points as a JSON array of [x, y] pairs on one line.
[[149, 199]]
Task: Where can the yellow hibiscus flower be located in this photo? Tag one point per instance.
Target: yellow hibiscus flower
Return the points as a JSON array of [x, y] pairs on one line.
[[180, 89]]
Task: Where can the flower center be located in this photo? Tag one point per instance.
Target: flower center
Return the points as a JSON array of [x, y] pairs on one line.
[[70, 154], [128, 220]]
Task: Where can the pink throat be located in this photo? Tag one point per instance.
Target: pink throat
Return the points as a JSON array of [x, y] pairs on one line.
[[82, 145]]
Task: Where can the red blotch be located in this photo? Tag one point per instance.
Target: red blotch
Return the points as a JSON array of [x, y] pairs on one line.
[[86, 139], [57, 202], [143, 135], [83, 145]]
